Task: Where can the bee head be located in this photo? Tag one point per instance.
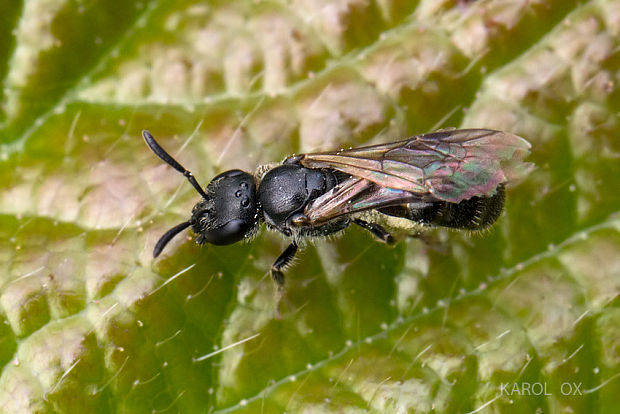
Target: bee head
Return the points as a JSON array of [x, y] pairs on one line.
[[229, 213]]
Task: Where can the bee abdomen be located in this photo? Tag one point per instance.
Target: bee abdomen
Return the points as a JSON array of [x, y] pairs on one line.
[[476, 213]]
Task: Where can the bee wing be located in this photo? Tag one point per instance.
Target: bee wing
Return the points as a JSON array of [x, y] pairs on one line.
[[452, 165], [354, 195]]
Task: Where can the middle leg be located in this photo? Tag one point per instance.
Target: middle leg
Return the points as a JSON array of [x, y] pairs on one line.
[[377, 230]]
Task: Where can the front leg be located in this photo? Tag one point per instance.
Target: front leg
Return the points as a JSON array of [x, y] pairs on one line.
[[282, 260]]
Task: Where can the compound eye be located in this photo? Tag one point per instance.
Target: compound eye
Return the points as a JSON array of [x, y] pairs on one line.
[[231, 232]]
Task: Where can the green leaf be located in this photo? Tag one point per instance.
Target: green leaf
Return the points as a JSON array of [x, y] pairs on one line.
[[89, 322]]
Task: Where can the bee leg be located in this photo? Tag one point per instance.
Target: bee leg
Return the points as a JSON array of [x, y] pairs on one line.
[[276, 271], [282, 260], [378, 231]]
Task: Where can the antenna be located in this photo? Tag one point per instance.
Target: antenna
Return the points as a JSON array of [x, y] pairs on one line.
[[163, 241], [167, 158]]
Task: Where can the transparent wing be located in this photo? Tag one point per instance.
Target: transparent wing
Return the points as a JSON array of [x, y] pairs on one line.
[[451, 166], [354, 195]]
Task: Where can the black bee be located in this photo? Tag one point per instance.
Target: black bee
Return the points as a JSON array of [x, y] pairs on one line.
[[451, 178]]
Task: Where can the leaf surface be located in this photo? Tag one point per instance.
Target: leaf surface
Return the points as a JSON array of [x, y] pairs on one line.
[[89, 322]]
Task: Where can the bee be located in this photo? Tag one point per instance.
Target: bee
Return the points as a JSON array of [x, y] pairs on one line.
[[450, 178]]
